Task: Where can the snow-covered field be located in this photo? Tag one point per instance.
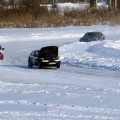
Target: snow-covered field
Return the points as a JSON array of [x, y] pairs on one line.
[[86, 87]]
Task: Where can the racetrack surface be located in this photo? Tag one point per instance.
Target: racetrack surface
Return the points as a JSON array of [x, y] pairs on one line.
[[77, 90]]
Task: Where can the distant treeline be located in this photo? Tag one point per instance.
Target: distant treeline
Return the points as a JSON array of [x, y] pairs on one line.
[[20, 4], [34, 16]]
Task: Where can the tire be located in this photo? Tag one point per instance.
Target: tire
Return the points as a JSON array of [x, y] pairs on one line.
[[58, 65], [30, 65], [39, 65]]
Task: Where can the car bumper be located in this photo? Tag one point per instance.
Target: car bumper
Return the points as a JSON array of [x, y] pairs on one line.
[[48, 62]]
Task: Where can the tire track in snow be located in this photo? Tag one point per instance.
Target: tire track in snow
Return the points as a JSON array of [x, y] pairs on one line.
[[52, 109]]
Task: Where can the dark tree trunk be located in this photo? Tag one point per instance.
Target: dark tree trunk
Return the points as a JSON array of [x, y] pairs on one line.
[[118, 4], [53, 3], [93, 3]]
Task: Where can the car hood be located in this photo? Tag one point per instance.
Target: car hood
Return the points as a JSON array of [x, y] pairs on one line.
[[49, 49]]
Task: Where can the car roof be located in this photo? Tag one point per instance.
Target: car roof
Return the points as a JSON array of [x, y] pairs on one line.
[[34, 51], [93, 32]]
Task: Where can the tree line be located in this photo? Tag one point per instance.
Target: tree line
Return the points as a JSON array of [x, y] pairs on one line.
[[31, 14], [20, 4]]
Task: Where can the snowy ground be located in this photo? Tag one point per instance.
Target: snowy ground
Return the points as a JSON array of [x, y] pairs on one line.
[[86, 87]]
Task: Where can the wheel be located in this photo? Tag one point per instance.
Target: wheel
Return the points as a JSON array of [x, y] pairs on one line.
[[30, 65], [39, 65], [58, 65]]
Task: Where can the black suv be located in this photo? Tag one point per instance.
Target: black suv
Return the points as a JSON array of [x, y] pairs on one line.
[[92, 36], [46, 56]]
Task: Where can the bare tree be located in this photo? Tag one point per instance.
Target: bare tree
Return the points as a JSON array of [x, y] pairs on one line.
[[114, 4], [118, 4], [53, 3], [93, 3]]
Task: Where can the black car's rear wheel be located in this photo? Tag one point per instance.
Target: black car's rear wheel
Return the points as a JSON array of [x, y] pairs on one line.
[[30, 65], [39, 65]]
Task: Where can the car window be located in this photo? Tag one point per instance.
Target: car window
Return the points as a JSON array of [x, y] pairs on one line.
[[93, 34], [86, 35], [89, 35], [99, 35]]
